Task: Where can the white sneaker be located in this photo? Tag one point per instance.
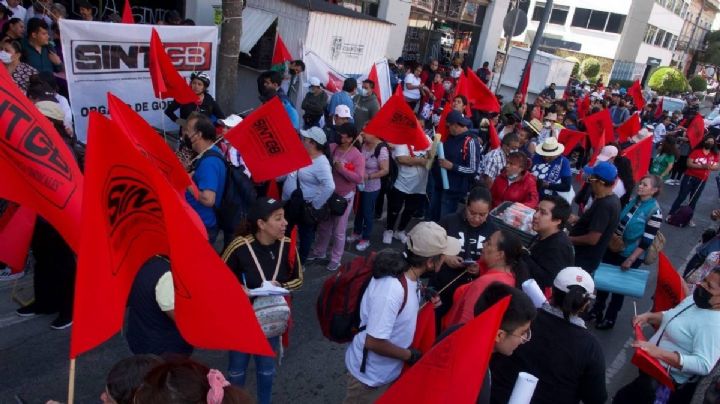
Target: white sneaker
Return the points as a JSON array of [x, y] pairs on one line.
[[353, 238], [362, 245], [401, 236], [7, 275], [669, 182], [387, 237]]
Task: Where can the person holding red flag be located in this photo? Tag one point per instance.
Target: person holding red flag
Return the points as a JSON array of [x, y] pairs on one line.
[[566, 358], [700, 162], [199, 82], [687, 342]]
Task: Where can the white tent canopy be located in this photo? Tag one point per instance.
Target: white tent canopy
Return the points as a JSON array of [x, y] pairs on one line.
[[255, 23]]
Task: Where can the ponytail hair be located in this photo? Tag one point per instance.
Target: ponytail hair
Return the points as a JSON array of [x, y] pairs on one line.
[[514, 251], [571, 302]]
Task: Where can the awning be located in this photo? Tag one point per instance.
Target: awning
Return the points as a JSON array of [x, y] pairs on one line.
[[254, 24]]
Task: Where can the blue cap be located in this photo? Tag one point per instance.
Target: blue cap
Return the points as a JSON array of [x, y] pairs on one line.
[[457, 118], [603, 170]]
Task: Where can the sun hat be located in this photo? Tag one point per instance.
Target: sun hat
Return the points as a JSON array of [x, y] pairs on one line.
[[535, 125], [550, 147]]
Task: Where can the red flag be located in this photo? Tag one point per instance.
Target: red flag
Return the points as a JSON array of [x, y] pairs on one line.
[[374, 77], [635, 91], [272, 190], [659, 108], [396, 123], [494, 139], [16, 229], [127, 15], [696, 130], [38, 169], [650, 365], [525, 82], [425, 329], [570, 138], [442, 128], [599, 128], [479, 95], [150, 144], [166, 81], [268, 142], [293, 247], [281, 53], [399, 89], [629, 128], [131, 213], [669, 291], [640, 155], [453, 370], [461, 88], [334, 83], [583, 107]]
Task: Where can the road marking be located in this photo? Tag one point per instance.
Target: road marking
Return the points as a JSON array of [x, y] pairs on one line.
[[619, 362], [12, 319]]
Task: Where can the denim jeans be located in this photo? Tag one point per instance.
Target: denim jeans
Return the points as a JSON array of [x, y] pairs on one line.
[[689, 186], [366, 214], [306, 238], [212, 233], [264, 370]]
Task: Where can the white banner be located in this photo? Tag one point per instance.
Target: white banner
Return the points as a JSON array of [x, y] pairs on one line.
[[333, 80], [101, 57]]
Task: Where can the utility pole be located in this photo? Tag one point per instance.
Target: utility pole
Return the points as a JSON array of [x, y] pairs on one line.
[[692, 33], [508, 42], [227, 69], [538, 35]]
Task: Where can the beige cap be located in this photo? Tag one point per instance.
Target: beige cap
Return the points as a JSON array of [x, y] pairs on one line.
[[428, 239], [51, 110]]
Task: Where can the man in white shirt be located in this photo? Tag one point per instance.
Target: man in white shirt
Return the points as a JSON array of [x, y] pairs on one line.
[[17, 9], [388, 312], [661, 130]]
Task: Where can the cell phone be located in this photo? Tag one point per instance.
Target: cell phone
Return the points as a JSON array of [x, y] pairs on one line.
[[467, 263]]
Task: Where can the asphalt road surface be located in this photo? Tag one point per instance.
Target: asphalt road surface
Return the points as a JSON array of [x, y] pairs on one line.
[[34, 358]]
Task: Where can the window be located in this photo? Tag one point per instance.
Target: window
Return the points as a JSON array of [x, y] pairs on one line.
[[581, 17], [659, 37], [559, 15], [615, 23], [598, 20], [650, 34], [668, 40], [538, 11]]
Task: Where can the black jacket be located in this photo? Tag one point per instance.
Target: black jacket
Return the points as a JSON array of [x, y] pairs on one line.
[[548, 257], [208, 107]]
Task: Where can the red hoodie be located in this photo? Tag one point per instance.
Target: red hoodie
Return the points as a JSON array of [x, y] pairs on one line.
[[523, 190]]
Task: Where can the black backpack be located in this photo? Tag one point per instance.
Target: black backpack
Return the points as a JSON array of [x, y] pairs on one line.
[[387, 182], [238, 193]]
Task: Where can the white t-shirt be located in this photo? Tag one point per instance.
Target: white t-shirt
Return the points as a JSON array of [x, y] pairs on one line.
[[659, 133], [410, 179], [411, 94], [18, 11], [379, 313]]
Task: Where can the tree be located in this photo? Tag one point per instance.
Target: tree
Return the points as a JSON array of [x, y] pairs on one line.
[[231, 30], [698, 83], [666, 80], [576, 66], [590, 68]]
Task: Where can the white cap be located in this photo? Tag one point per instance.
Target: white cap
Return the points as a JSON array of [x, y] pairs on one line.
[[313, 82], [315, 134], [574, 276], [231, 121], [608, 152], [343, 111]]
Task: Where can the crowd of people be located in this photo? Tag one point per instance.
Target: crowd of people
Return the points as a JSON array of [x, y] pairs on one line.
[[442, 243]]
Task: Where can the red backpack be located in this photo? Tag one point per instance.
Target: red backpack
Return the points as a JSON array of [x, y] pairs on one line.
[[338, 306]]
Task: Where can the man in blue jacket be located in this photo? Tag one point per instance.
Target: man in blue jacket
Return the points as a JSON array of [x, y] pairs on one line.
[[460, 161]]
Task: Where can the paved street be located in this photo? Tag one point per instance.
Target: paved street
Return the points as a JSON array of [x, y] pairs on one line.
[[34, 364]]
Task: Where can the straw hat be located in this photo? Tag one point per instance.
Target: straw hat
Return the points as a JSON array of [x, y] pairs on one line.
[[550, 147], [534, 125]]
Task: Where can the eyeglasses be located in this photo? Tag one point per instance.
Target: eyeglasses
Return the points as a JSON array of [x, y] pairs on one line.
[[523, 338]]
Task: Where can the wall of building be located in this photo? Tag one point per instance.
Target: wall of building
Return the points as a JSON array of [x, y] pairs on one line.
[[634, 32], [486, 48], [202, 11], [398, 13]]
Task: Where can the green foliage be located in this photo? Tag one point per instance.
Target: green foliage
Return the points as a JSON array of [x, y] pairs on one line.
[[576, 66], [698, 83], [667, 80], [590, 68], [712, 52]]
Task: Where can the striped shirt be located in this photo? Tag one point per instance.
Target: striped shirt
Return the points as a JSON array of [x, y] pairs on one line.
[[652, 225]]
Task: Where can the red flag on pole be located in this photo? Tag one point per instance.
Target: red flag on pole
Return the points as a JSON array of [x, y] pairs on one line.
[[396, 123], [38, 169], [479, 95], [570, 138], [442, 128], [524, 83], [453, 370], [640, 155], [493, 137], [150, 144], [166, 81], [583, 107], [131, 213], [425, 329], [293, 247], [599, 128], [659, 108], [669, 291], [268, 142], [281, 54], [273, 191], [650, 365], [635, 91], [696, 130], [399, 90], [16, 229], [127, 16], [629, 128], [374, 77]]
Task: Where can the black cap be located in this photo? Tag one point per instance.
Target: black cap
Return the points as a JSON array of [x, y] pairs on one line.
[[263, 208]]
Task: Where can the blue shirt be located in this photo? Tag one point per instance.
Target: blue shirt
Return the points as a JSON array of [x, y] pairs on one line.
[[292, 113], [338, 98], [552, 172], [209, 175]]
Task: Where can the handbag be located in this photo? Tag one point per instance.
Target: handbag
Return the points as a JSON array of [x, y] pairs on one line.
[[684, 214], [336, 204], [272, 312], [616, 243], [611, 278], [657, 245]]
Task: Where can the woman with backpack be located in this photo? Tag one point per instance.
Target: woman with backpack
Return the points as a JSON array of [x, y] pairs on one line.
[[640, 221], [377, 166], [261, 254]]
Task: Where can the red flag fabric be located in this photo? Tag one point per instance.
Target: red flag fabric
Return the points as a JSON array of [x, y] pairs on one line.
[[659, 108], [696, 130], [150, 144], [374, 77], [166, 81], [629, 128], [461, 88], [583, 107], [635, 91], [570, 138], [425, 329], [127, 16], [453, 370], [669, 291], [38, 168], [396, 123], [494, 139], [640, 155], [281, 54], [599, 128], [16, 229], [293, 247], [399, 90], [131, 213], [442, 128], [273, 191], [479, 95], [268, 142], [525, 82], [651, 366]]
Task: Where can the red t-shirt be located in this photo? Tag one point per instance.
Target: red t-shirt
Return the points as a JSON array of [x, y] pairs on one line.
[[698, 156]]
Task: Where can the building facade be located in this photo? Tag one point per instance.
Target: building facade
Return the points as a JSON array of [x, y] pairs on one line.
[[698, 23]]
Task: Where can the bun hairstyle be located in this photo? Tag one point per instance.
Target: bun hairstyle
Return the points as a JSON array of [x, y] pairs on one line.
[[572, 302]]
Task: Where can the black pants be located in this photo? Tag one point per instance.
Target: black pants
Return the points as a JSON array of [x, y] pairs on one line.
[[616, 300], [396, 200], [55, 267], [642, 391], [679, 168]]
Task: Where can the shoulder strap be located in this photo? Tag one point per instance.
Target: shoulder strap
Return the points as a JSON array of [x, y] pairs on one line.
[[257, 264], [403, 282]]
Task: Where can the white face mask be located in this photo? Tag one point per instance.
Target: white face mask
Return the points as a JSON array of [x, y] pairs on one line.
[[362, 92], [548, 124], [5, 57]]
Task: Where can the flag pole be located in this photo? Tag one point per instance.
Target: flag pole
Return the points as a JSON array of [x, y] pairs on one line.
[[71, 382]]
